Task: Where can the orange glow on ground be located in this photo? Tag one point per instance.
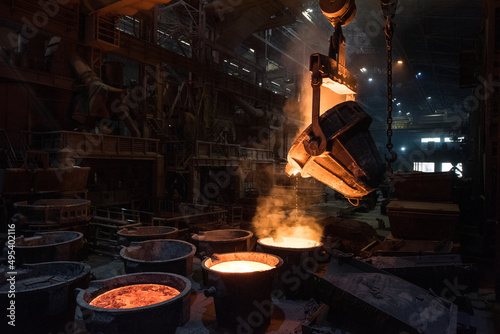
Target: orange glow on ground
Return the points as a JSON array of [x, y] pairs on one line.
[[287, 242], [241, 267], [137, 295]]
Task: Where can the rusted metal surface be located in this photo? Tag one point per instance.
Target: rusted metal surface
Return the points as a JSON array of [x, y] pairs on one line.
[[63, 212], [444, 274], [404, 247], [423, 220], [143, 233], [40, 180], [379, 302], [353, 235], [171, 256], [161, 318], [44, 295], [222, 241], [419, 186], [351, 163], [49, 246]]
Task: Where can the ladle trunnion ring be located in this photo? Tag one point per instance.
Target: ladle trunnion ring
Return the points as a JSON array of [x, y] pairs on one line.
[[351, 163]]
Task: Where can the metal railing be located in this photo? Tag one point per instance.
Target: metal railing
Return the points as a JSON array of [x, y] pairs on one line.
[[92, 144], [231, 151]]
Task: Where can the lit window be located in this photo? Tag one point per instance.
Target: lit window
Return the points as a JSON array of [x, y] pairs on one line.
[[426, 140], [446, 167], [427, 167]]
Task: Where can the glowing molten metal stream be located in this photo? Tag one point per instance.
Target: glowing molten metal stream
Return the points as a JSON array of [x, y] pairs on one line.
[[287, 242], [137, 295], [240, 267]]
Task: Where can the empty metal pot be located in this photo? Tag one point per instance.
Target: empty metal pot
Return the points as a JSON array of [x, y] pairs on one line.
[[49, 246], [222, 241], [163, 255], [143, 233]]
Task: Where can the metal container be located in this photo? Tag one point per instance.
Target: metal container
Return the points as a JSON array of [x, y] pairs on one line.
[[63, 212], [159, 318], [431, 272], [242, 299], [404, 247], [49, 246], [378, 302], [222, 241], [298, 263], [351, 163], [163, 255], [44, 300], [423, 220], [143, 233], [420, 186]]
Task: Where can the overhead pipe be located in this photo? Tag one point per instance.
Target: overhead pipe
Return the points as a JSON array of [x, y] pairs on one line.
[[98, 93], [258, 113]]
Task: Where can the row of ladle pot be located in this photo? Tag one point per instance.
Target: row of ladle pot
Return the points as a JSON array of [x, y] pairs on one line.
[[243, 297]]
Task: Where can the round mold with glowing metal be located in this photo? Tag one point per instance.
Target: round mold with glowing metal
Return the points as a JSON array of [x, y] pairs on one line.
[[242, 299], [159, 318], [300, 256]]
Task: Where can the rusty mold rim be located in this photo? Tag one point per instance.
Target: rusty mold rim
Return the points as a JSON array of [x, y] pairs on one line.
[[56, 203], [319, 244], [157, 231], [202, 236], [138, 245], [78, 237], [99, 287], [37, 267], [272, 260]]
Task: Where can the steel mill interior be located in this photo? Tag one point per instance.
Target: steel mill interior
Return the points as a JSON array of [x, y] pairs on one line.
[[249, 166]]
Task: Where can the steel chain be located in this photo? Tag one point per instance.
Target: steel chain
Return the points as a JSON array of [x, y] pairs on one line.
[[389, 30]]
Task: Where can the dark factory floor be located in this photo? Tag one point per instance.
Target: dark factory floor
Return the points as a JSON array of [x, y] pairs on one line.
[[289, 315]]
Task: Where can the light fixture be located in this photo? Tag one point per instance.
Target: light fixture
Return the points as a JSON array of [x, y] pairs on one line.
[[307, 16], [398, 104], [370, 79], [400, 61], [428, 97], [403, 148], [363, 69]]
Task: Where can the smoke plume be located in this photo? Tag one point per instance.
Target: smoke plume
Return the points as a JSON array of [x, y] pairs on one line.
[[277, 216]]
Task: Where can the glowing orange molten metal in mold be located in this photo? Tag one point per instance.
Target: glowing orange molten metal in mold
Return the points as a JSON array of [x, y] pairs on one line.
[[287, 242], [240, 266], [137, 295]]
